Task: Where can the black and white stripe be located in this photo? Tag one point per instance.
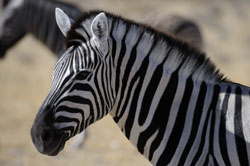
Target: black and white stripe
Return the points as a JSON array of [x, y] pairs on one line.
[[166, 96]]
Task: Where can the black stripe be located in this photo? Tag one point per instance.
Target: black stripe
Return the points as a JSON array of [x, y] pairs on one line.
[[72, 110], [107, 75], [211, 109], [161, 115], [239, 136], [211, 136], [103, 106], [105, 86], [86, 32], [128, 68], [111, 89], [195, 123], [112, 59], [222, 130], [87, 88], [71, 129], [206, 161], [141, 70], [150, 93], [63, 119], [60, 89], [140, 74], [113, 43], [80, 100], [120, 58], [54, 97], [177, 131]]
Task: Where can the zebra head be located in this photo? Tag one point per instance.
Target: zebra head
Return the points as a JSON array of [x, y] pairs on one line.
[[81, 88]]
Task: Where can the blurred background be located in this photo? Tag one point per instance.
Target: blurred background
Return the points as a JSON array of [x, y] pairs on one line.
[[26, 73]]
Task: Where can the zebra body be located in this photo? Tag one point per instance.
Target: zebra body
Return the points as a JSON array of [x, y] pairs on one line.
[[181, 27], [166, 96], [20, 17]]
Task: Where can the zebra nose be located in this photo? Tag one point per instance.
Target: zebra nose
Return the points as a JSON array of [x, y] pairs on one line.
[[48, 107], [46, 135]]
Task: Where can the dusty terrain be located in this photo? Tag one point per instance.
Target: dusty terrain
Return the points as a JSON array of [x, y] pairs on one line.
[[26, 72]]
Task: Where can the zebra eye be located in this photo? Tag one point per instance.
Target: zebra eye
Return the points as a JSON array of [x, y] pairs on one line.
[[82, 75]]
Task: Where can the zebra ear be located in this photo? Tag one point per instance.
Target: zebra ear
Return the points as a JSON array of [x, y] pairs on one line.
[[100, 32], [63, 21]]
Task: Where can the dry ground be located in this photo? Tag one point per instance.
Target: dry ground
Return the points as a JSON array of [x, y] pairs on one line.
[[26, 72]]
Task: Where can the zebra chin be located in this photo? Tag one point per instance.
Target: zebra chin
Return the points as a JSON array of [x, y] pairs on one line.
[[46, 138]]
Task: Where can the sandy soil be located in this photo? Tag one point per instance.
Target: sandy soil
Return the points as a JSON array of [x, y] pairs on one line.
[[26, 72]]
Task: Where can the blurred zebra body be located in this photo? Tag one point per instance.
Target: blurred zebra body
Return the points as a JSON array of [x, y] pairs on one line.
[[180, 27], [20, 17], [166, 96]]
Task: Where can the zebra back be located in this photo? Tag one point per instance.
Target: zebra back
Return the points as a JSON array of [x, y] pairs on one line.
[[36, 17], [181, 27]]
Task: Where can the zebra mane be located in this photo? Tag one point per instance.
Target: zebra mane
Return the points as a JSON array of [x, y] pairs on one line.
[[186, 58]]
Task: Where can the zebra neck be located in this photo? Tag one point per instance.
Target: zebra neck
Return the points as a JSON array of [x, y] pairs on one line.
[[170, 99], [202, 120], [39, 19], [142, 60]]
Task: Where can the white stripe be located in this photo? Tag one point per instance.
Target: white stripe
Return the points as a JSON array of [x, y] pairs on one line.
[[171, 119], [197, 141], [188, 124], [246, 118], [216, 144], [230, 136]]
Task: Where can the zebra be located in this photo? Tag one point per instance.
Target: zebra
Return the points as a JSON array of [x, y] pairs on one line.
[[41, 12], [179, 26], [20, 17], [166, 96]]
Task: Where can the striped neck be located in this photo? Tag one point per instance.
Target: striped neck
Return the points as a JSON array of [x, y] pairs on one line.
[[161, 86]]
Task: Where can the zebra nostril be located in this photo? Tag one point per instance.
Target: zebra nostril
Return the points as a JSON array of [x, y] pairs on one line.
[[46, 135], [48, 107]]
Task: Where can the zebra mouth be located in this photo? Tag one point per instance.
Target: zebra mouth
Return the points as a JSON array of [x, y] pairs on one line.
[[60, 145], [58, 149]]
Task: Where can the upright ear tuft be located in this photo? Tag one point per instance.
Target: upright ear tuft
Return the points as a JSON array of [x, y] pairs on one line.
[[63, 21], [99, 27]]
